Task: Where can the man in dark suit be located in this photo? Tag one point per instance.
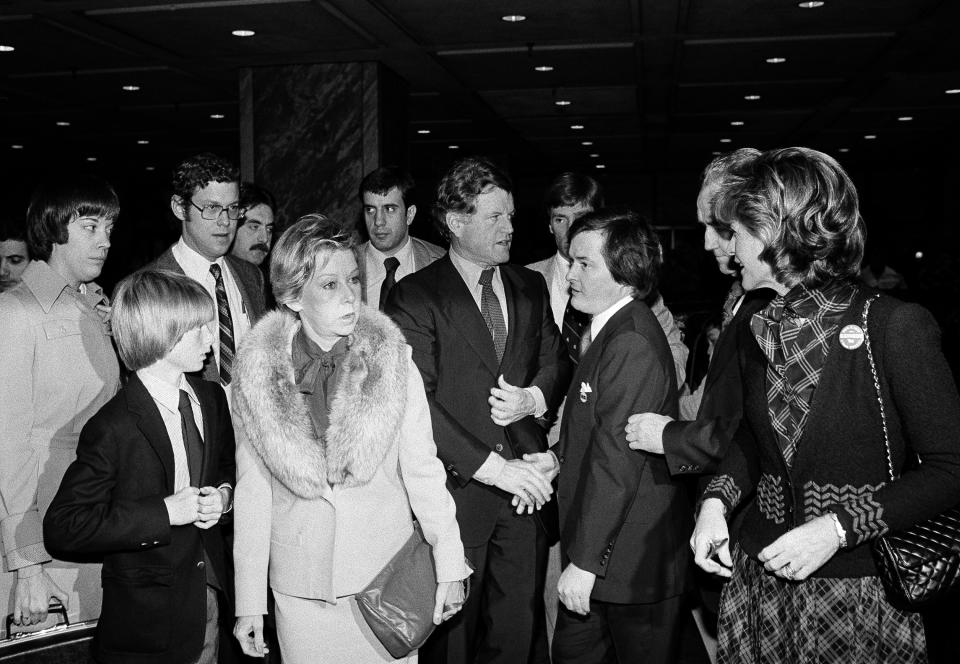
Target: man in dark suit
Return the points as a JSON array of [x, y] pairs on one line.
[[624, 522], [205, 199], [492, 361], [153, 474], [391, 253]]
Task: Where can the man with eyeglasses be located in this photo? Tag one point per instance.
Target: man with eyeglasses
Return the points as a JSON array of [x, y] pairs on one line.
[[206, 200]]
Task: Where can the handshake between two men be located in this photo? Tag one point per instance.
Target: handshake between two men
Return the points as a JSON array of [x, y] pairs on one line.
[[528, 479]]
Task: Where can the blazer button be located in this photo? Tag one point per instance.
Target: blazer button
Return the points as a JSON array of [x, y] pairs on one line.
[[201, 564], [499, 447], [560, 459]]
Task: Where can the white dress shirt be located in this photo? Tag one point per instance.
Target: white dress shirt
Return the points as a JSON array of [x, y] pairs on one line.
[[559, 288], [600, 319], [167, 398], [375, 272]]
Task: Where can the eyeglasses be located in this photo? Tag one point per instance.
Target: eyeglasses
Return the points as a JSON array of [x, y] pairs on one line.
[[213, 211]]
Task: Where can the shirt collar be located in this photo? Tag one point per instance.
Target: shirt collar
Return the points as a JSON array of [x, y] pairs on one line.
[[468, 270], [598, 321], [193, 262], [46, 284], [403, 254], [167, 394]]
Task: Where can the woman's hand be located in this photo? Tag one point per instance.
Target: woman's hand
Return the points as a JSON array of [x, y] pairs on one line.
[[797, 554], [450, 599], [711, 537], [249, 632]]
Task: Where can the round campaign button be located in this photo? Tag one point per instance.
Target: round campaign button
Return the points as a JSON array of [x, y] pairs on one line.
[[851, 337]]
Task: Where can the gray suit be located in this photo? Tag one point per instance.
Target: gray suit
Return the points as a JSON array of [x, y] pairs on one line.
[[249, 282]]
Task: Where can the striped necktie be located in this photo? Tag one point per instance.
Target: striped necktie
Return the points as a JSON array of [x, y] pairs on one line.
[[574, 322], [227, 348]]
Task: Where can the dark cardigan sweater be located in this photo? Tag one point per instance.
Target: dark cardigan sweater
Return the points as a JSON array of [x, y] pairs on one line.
[[840, 464]]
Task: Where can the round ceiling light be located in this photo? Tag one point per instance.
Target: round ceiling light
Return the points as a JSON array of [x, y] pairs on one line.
[[751, 97], [6, 48], [513, 18], [423, 131], [453, 147], [131, 88], [725, 140], [562, 102], [217, 116], [870, 137], [776, 61], [576, 126], [736, 123], [143, 141], [810, 4], [63, 123], [243, 33], [543, 68], [905, 118]]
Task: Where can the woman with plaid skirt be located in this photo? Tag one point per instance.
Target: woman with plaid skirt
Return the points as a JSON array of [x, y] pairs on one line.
[[808, 465]]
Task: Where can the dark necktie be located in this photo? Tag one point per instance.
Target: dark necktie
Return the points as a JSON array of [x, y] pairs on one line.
[[227, 348], [191, 439], [574, 323], [390, 265], [492, 313]]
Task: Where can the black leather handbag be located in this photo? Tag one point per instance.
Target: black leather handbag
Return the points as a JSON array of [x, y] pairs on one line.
[[921, 563]]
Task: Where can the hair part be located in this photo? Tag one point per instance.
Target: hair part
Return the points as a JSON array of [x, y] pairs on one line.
[[458, 189], [570, 189], [303, 247], [198, 171], [57, 202], [631, 248], [804, 208], [152, 310], [382, 180]]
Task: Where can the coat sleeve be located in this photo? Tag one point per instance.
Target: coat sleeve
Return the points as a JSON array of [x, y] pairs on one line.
[[678, 349], [252, 513], [84, 516], [425, 481], [554, 369], [20, 526], [413, 310], [631, 379]]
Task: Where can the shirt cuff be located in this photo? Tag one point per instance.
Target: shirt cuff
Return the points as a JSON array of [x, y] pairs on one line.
[[540, 406], [28, 571], [490, 470], [228, 505]]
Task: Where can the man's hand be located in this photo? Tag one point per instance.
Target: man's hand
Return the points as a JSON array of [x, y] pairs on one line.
[[574, 588], [545, 462], [509, 403], [525, 482], [645, 432], [31, 596], [209, 507], [182, 507], [249, 632]]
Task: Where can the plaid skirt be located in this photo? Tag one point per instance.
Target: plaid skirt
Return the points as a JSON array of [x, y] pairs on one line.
[[767, 619]]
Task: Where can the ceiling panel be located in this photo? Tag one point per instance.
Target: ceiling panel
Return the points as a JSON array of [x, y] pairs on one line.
[[543, 102]]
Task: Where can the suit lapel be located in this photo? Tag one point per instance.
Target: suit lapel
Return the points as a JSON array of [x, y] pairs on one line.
[[245, 288], [462, 313], [519, 304], [207, 409], [151, 425]]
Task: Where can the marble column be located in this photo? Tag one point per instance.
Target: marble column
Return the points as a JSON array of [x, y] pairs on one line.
[[309, 133]]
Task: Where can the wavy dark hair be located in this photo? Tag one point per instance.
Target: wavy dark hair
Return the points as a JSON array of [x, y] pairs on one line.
[[804, 208], [460, 186]]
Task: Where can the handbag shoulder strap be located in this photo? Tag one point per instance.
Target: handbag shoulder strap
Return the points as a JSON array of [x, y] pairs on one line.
[[876, 384]]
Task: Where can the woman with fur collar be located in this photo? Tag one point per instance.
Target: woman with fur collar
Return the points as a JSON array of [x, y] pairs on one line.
[[334, 449]]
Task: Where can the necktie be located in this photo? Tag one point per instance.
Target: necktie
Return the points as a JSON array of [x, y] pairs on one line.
[[492, 313], [226, 326], [191, 439], [574, 323], [585, 341], [390, 265]]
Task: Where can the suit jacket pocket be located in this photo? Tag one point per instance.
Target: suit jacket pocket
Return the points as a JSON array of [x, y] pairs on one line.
[[137, 610]]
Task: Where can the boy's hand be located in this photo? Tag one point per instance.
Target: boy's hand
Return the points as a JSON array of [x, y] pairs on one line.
[[183, 506], [209, 507]]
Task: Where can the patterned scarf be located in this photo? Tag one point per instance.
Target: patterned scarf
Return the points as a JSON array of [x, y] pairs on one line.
[[795, 332], [315, 372]]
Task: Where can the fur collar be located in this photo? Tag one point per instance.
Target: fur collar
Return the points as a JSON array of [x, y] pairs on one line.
[[369, 401]]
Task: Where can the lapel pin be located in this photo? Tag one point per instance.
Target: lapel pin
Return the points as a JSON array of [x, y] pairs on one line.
[[584, 391], [851, 337]]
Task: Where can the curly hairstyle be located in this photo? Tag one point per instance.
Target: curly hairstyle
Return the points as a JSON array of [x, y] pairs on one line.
[[460, 186], [631, 248], [804, 208], [200, 170]]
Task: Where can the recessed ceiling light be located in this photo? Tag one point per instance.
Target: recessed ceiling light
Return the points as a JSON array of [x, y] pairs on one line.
[[751, 97], [776, 61], [453, 147], [423, 131], [513, 18], [63, 123], [149, 168], [601, 166], [905, 118], [953, 91], [736, 123], [131, 88], [91, 158], [870, 137], [918, 255], [586, 143], [143, 141], [810, 4], [594, 155], [243, 33], [6, 48], [716, 153], [843, 149], [562, 102], [217, 116], [16, 146], [576, 126], [543, 68], [725, 140]]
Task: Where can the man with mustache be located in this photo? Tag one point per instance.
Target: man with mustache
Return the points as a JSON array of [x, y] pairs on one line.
[[255, 226]]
